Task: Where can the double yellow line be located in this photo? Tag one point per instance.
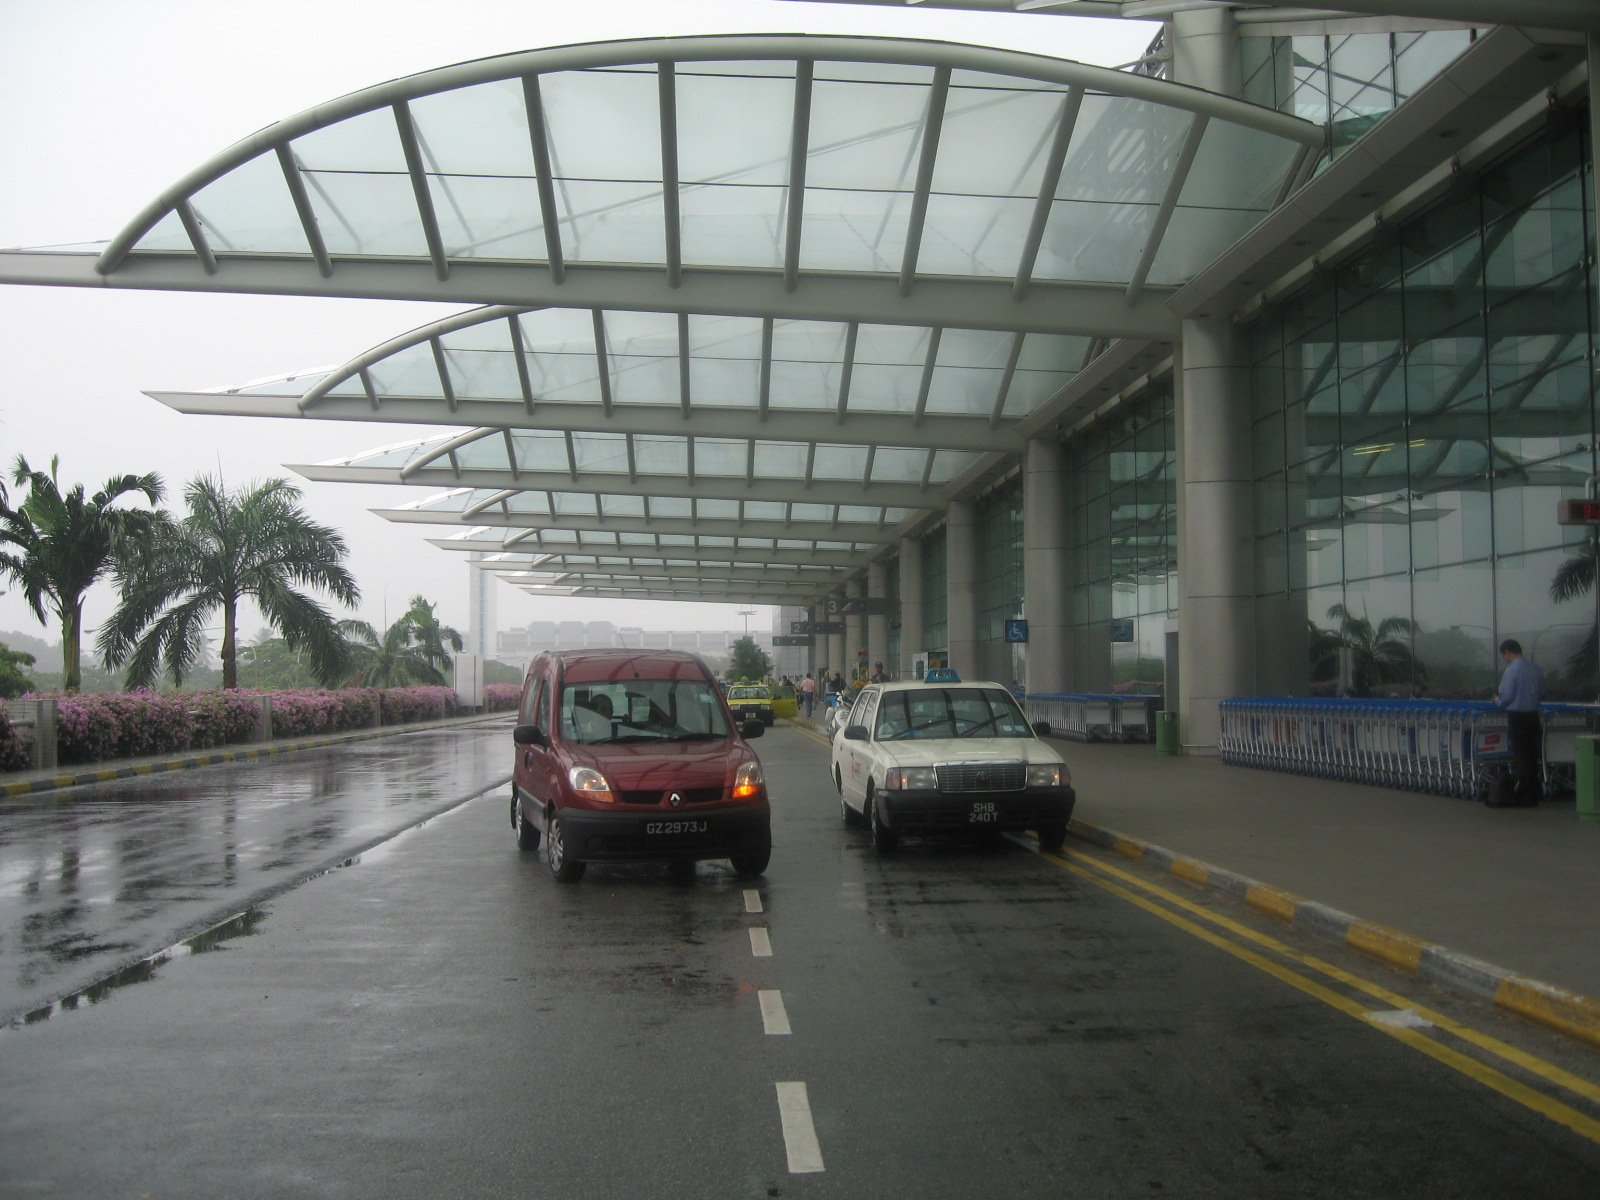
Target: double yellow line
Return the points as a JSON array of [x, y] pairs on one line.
[[1161, 902]]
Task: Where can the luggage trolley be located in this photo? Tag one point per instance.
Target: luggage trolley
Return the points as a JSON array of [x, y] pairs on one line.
[[1562, 724]]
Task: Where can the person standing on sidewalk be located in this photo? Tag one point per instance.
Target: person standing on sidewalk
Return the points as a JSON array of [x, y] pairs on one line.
[[808, 693], [1521, 690]]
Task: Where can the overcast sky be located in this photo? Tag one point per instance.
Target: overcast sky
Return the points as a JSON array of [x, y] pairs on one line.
[[103, 103]]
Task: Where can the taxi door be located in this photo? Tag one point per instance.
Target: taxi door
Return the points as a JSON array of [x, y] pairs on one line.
[[855, 758]]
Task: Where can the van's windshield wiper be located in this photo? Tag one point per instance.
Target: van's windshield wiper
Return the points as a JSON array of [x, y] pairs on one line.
[[697, 737], [628, 737]]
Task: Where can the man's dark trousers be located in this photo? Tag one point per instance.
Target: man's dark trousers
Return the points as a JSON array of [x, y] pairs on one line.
[[1527, 739]]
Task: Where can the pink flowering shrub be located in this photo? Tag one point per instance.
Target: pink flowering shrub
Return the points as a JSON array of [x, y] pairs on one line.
[[417, 704], [502, 697], [13, 754], [95, 728]]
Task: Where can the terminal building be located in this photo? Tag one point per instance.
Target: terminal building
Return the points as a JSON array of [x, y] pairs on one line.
[[1257, 367]]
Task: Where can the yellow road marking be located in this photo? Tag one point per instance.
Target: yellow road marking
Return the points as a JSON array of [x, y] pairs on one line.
[[1497, 1080]]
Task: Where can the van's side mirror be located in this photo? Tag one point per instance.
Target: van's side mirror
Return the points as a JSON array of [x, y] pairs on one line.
[[1042, 728], [856, 733], [752, 729], [529, 735]]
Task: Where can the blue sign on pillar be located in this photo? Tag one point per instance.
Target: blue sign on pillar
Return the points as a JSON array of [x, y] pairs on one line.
[[1016, 631]]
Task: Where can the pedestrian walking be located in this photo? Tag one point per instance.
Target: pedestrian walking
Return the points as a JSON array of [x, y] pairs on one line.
[[808, 693], [1521, 691]]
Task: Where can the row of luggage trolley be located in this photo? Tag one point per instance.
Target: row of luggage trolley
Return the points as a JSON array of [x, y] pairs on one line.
[[1449, 747], [1096, 718]]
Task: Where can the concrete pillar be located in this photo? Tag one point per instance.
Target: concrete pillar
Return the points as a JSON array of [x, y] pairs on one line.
[[854, 631], [835, 655], [1046, 566], [878, 626], [961, 586], [1205, 51], [1216, 554], [913, 618]]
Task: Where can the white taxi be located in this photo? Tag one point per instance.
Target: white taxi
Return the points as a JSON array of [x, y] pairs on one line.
[[943, 756]]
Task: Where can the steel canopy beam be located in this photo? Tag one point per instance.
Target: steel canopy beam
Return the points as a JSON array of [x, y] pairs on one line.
[[843, 559], [824, 531], [1093, 310]]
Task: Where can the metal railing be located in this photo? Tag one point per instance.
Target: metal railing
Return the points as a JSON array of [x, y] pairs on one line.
[[1450, 748], [1096, 718]]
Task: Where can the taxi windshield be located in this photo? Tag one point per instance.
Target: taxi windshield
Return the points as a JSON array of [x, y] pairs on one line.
[[748, 693], [641, 710], [952, 712]]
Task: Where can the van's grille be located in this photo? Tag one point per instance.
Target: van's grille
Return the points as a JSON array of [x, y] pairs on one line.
[[704, 795], [982, 776]]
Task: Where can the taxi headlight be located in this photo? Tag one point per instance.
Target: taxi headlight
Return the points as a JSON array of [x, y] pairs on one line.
[[591, 785], [748, 781], [1046, 775], [917, 778]]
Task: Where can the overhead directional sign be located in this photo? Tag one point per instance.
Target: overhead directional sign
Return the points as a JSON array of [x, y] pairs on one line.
[[808, 627], [863, 606], [786, 639]]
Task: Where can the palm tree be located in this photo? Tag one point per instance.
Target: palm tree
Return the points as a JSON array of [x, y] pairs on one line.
[[1380, 654], [64, 542], [394, 659], [257, 543], [431, 636], [1574, 578]]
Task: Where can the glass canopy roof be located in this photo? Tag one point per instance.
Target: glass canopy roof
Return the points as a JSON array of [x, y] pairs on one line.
[[765, 153], [769, 286]]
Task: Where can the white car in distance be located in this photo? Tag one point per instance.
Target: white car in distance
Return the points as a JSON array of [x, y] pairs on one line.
[[946, 757]]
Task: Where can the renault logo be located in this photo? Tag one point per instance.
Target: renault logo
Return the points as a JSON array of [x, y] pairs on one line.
[[675, 800]]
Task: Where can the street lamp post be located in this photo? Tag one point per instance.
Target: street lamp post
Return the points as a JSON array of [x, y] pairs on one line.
[[747, 613]]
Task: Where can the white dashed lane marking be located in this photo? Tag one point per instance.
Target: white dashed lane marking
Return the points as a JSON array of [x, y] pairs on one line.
[[752, 901], [774, 1017], [799, 1134], [760, 942]]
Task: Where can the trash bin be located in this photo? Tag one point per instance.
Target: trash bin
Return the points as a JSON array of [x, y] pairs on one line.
[[1587, 776], [1167, 733]]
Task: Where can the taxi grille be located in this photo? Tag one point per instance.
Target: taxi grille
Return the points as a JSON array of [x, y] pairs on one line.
[[982, 777], [703, 795]]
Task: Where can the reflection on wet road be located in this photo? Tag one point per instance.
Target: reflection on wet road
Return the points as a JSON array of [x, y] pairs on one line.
[[94, 878]]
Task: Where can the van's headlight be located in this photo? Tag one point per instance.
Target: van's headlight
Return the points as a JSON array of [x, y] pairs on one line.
[[1048, 775], [748, 781], [921, 779], [591, 785]]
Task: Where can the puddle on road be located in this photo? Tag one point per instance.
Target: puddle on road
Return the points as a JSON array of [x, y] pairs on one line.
[[212, 938]]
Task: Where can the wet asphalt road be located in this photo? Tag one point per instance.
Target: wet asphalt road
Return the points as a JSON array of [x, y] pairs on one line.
[[94, 878], [440, 1019]]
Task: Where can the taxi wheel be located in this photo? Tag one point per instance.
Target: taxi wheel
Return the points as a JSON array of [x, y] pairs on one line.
[[884, 839], [1052, 837], [852, 819], [527, 831], [562, 868]]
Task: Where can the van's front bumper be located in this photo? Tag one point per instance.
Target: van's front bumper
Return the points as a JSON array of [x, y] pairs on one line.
[[593, 835]]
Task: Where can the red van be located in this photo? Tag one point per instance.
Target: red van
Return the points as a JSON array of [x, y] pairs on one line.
[[634, 754]]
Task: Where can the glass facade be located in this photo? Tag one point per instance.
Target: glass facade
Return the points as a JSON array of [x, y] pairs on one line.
[[1416, 419], [1000, 581], [1348, 82], [1121, 497]]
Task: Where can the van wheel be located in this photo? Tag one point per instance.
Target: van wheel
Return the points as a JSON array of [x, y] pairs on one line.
[[884, 839], [751, 864], [527, 831], [562, 868]]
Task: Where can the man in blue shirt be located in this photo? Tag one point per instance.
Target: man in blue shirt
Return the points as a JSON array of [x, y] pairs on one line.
[[1521, 690]]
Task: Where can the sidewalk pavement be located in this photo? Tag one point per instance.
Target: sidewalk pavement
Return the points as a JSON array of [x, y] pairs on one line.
[[1501, 904], [22, 785]]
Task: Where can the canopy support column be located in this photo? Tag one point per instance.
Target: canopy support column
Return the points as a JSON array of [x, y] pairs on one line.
[[961, 587], [912, 616], [1216, 566], [878, 623]]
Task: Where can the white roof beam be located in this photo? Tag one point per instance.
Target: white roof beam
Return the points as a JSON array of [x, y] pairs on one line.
[[296, 184], [412, 150], [932, 127], [549, 214]]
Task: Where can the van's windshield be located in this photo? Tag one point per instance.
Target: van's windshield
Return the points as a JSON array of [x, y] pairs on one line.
[[641, 710]]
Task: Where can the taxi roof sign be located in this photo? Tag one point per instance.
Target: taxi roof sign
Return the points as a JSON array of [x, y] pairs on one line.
[[941, 675]]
